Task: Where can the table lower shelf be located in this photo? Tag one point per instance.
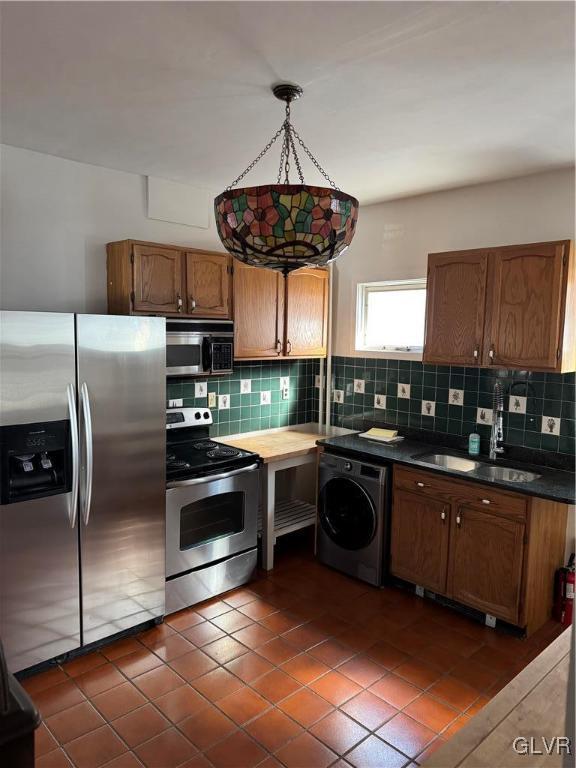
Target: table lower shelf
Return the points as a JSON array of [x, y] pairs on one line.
[[290, 516]]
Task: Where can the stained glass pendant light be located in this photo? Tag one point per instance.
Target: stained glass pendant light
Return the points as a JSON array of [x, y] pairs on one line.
[[286, 226]]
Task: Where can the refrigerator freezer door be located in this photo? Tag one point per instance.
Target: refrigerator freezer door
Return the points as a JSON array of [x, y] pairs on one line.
[[122, 386], [39, 577]]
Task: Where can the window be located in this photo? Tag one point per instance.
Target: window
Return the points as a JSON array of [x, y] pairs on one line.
[[390, 316]]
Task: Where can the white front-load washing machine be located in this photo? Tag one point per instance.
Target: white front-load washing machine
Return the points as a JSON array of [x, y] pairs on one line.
[[352, 516]]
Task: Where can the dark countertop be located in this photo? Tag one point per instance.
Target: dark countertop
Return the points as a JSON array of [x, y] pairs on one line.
[[554, 484]]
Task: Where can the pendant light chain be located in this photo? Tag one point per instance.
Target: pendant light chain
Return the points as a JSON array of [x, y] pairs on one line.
[[288, 146]]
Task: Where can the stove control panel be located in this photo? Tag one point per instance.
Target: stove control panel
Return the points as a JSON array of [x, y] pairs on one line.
[[177, 418]]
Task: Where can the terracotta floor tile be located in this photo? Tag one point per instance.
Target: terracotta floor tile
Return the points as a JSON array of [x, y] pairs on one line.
[[118, 701], [185, 619], [331, 626], [456, 726], [249, 666], [202, 634], [276, 685], [74, 722], [479, 704], [273, 729], [236, 751], [386, 655], [217, 684], [198, 761], [84, 664], [207, 727], [240, 597], [243, 705], [158, 681], [172, 647], [332, 652], [475, 675], [169, 748], [408, 641], [213, 608], [458, 642], [193, 664], [305, 668], [357, 639], [125, 760], [99, 680], [493, 658], [304, 637], [440, 657], [43, 740], [306, 707], [58, 697], [121, 648], [374, 753], [407, 735], [280, 622], [270, 762], [225, 649], [180, 703], [43, 680], [253, 636], [335, 688], [155, 634], [306, 752], [418, 672], [134, 664], [339, 732], [95, 748], [430, 749], [362, 670], [140, 725], [454, 692], [258, 609], [54, 759], [431, 713], [395, 691], [277, 651], [232, 621], [369, 710]]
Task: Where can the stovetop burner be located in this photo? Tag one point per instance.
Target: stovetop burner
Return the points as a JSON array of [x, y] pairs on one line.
[[223, 452], [175, 463], [205, 445]]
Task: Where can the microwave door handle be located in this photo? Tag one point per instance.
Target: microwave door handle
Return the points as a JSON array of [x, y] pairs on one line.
[[207, 354], [211, 478]]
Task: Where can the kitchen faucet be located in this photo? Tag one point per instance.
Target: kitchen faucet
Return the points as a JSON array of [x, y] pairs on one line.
[[497, 433]]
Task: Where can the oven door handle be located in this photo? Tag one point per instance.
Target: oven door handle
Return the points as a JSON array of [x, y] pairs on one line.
[[211, 478]]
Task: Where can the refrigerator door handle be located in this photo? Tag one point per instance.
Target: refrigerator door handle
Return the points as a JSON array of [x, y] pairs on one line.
[[71, 394], [88, 438]]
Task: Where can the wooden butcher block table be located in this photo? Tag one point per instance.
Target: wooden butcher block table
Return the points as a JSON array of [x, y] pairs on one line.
[[280, 451]]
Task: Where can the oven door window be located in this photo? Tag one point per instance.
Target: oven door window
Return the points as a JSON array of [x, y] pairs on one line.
[[211, 518], [183, 355]]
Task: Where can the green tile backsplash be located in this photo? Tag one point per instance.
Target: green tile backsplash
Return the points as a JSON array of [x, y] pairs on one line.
[[245, 413], [457, 398]]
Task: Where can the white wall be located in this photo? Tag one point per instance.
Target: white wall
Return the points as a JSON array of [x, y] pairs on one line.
[[393, 239], [57, 216]]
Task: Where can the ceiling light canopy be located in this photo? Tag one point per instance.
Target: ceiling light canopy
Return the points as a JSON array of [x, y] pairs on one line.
[[286, 226]]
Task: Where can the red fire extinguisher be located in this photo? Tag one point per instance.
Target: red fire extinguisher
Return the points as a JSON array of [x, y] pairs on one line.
[[564, 593]]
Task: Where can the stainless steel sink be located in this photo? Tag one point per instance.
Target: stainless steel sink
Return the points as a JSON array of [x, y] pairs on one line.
[[508, 474], [450, 462]]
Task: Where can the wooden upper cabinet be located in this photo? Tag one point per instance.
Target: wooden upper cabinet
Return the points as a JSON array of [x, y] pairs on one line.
[[259, 312], [526, 313], [306, 312], [208, 284], [487, 553], [419, 539], [456, 292], [157, 276], [511, 307]]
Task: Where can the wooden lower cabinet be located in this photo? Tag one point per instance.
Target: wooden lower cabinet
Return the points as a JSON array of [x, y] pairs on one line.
[[420, 532], [485, 569], [491, 550]]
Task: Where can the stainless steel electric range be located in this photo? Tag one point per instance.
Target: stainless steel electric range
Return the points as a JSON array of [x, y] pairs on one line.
[[212, 497]]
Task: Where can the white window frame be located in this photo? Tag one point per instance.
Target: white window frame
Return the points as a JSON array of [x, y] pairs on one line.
[[363, 291]]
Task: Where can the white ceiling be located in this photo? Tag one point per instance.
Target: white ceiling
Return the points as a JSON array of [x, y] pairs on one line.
[[400, 97]]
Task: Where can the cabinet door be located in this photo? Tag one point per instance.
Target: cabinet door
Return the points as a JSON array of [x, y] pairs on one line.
[[455, 299], [157, 280], [258, 312], [419, 539], [208, 284], [527, 307], [306, 312], [486, 562]]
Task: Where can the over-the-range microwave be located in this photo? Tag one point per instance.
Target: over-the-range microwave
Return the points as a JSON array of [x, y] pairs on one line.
[[199, 347]]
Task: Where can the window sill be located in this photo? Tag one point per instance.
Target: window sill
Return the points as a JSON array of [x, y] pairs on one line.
[[387, 355]]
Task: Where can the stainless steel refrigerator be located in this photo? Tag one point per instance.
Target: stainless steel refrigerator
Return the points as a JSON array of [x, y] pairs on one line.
[[82, 479]]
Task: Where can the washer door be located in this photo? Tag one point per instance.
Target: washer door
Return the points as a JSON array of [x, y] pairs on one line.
[[347, 513]]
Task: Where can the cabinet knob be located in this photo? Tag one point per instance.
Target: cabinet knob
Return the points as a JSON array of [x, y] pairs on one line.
[[443, 515], [192, 303], [279, 347], [179, 303], [485, 501], [458, 521], [288, 346], [491, 352], [475, 354], [420, 485]]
